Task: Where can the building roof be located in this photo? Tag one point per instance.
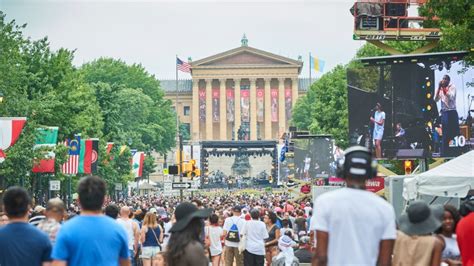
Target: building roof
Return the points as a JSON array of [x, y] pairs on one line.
[[246, 57], [186, 85]]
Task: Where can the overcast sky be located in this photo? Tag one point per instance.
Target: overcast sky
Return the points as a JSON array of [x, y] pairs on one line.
[[153, 32]]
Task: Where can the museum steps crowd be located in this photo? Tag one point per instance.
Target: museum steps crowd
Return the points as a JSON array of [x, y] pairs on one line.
[[351, 226]]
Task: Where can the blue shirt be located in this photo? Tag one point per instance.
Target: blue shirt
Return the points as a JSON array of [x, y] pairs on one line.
[[23, 244], [91, 240]]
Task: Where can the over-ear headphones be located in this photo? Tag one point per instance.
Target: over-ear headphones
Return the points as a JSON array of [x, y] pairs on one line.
[[357, 162]]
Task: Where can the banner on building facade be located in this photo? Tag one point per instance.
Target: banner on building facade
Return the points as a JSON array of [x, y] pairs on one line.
[[215, 105], [274, 104], [230, 105], [260, 105], [202, 105], [288, 101], [245, 105]]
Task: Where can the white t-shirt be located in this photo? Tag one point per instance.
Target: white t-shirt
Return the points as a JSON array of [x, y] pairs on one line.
[[215, 233], [307, 209], [228, 224], [166, 227], [128, 226], [356, 220], [256, 232]]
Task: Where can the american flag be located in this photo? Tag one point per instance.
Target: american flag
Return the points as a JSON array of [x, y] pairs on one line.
[[71, 167], [183, 66]]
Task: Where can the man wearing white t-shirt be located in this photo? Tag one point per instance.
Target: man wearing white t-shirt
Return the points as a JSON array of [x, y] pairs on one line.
[[353, 226], [231, 249], [256, 233]]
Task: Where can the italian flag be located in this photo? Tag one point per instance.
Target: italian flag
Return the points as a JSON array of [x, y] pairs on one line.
[[10, 130], [45, 137]]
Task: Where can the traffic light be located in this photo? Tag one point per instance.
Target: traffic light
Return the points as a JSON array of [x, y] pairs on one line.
[[408, 166], [190, 169]]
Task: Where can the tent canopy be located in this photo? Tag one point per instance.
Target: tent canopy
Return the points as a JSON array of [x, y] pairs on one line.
[[451, 179]]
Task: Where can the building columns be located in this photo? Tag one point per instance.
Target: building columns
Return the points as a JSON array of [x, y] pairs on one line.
[[237, 118], [253, 109], [294, 90], [268, 114], [195, 133], [281, 107], [209, 127], [223, 110]]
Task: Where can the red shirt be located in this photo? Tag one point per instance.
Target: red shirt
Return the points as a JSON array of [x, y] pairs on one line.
[[465, 236]]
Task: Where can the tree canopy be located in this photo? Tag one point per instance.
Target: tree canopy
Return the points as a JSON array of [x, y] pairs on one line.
[[105, 99]]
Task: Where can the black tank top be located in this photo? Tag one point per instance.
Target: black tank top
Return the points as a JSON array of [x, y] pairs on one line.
[[150, 239], [271, 234]]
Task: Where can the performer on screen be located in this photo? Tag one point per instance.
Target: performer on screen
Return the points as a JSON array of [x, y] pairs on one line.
[[446, 92], [379, 121]]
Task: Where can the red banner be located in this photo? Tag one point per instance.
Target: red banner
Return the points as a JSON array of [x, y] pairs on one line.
[[202, 105], [373, 185], [274, 104], [288, 101], [215, 105], [230, 105], [245, 105], [260, 105]]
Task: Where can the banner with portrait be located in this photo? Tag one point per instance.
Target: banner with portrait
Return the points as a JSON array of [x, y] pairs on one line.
[[288, 101], [202, 105], [260, 105], [215, 105], [245, 105], [230, 105], [274, 104]]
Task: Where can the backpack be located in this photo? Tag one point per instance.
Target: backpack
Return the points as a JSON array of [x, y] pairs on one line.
[[233, 234]]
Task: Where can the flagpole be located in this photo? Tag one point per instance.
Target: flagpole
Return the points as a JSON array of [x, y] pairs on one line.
[[176, 105], [178, 136], [309, 67]]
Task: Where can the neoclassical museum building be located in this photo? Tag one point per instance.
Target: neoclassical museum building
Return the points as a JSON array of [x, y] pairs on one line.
[[244, 88]]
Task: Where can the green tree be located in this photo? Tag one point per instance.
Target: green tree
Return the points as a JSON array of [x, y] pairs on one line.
[[456, 21], [45, 87], [133, 104], [323, 110]]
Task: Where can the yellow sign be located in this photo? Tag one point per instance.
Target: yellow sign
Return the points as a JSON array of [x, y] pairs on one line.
[[165, 171]]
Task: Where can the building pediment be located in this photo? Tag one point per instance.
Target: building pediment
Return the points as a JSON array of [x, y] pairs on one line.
[[246, 56]]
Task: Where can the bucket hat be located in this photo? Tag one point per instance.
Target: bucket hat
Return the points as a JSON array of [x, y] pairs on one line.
[[185, 213], [420, 219]]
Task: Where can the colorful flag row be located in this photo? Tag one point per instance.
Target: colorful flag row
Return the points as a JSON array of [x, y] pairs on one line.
[[82, 154]]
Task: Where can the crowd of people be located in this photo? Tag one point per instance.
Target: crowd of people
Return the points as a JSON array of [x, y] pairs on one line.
[[348, 226]]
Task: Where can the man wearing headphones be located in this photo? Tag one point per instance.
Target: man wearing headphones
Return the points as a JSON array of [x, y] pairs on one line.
[[353, 226]]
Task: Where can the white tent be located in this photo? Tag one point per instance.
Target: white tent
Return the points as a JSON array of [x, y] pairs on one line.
[[451, 179]]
